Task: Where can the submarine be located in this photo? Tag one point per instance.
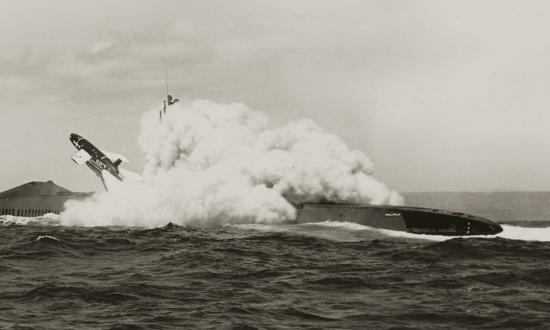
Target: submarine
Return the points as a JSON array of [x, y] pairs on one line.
[[38, 198], [410, 219]]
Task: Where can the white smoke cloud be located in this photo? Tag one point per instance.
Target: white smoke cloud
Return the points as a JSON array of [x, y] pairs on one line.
[[211, 164]]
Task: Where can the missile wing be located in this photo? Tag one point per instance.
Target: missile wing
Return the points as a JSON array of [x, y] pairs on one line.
[[81, 157]]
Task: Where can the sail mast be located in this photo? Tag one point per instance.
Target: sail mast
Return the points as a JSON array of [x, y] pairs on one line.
[[166, 79]]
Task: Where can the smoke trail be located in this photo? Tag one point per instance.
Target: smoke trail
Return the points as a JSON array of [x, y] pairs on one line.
[[210, 163]]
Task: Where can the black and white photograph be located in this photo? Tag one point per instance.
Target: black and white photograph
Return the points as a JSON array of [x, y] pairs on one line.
[[266, 164]]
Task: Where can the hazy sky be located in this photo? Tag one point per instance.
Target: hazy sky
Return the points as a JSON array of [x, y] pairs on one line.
[[442, 95]]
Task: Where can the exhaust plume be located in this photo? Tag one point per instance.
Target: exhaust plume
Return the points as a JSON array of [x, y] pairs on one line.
[[210, 164]]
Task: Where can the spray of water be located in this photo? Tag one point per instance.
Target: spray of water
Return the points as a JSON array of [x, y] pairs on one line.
[[541, 234], [210, 164]]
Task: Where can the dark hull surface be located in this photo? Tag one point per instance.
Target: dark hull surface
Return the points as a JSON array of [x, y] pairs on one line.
[[415, 220]]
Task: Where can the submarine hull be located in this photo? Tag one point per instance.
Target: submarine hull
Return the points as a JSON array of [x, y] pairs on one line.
[[416, 220]]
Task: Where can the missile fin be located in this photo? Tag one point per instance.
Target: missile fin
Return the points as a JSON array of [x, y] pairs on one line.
[[115, 157]]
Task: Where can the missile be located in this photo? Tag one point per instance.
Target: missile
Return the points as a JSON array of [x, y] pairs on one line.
[[98, 161]]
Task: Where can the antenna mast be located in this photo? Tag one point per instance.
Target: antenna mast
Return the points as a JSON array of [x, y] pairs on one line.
[[166, 78]]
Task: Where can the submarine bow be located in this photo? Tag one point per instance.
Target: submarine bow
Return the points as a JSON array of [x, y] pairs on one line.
[[416, 220]]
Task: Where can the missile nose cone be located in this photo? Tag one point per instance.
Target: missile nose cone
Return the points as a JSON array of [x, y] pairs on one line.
[[75, 138]]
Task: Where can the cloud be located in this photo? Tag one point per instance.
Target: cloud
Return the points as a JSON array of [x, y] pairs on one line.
[[99, 46], [368, 70]]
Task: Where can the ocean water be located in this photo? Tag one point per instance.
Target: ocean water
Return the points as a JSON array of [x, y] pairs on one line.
[[506, 207], [313, 276]]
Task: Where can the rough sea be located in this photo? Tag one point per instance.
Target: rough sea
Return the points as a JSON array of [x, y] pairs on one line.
[[313, 276]]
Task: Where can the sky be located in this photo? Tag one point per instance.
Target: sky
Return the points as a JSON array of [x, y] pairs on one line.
[[441, 95]]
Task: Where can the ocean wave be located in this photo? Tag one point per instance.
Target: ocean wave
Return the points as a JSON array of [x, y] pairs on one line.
[[49, 219]]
